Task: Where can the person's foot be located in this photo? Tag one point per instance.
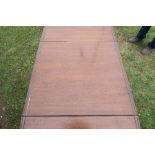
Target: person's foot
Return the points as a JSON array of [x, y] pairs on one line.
[[147, 50], [134, 40]]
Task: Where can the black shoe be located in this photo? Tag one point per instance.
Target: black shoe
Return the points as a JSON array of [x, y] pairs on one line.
[[147, 50], [134, 40]]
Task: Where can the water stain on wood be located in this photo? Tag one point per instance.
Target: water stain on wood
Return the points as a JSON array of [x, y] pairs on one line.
[[77, 125]]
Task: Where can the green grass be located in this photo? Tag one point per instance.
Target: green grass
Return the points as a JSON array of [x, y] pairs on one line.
[[141, 73], [18, 46]]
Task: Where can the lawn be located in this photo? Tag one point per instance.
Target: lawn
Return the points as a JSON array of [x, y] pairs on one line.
[[141, 73], [18, 46]]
